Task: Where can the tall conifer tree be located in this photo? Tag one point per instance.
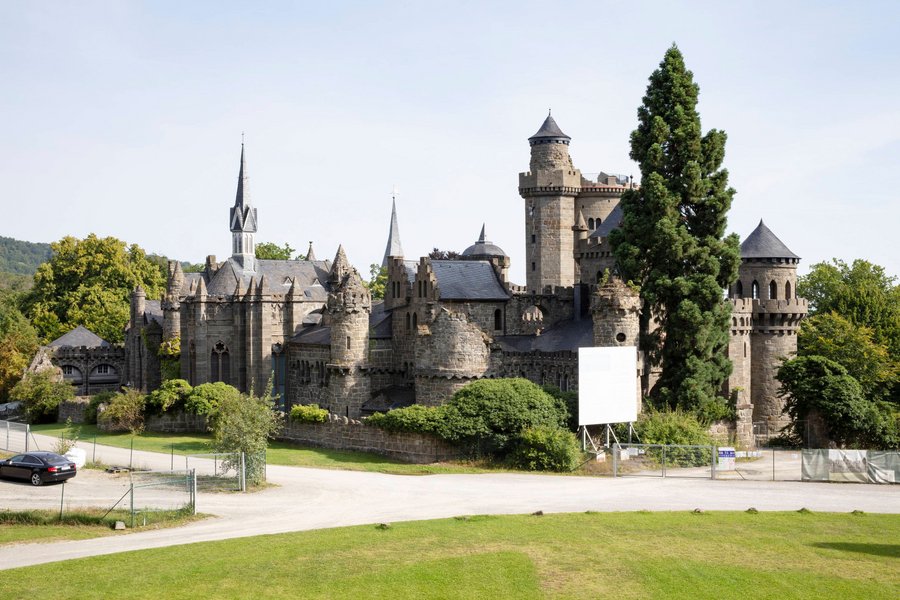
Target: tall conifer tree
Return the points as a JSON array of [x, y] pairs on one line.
[[672, 241]]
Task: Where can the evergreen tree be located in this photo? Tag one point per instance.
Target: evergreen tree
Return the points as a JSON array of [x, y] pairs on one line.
[[672, 241]]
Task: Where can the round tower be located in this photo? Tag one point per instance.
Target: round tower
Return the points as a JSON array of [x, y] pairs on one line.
[[171, 305], [349, 305], [549, 189], [768, 278], [616, 310]]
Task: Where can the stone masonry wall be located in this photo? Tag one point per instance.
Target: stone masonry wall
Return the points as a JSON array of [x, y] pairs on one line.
[[348, 434], [73, 409], [178, 422]]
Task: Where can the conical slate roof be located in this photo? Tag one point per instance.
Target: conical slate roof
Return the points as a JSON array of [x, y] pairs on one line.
[[762, 243], [549, 130], [483, 247], [394, 248]]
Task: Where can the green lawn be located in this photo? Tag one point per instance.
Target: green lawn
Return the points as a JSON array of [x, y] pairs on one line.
[[616, 555], [81, 524], [280, 453]]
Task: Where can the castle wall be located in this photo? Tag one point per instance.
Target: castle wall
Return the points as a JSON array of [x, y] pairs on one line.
[[559, 369], [85, 360], [348, 434]]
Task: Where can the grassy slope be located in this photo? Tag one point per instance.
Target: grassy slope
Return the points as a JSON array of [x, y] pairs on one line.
[[279, 453], [621, 555]]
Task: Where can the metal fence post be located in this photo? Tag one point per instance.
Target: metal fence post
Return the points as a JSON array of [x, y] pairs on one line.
[[131, 462], [243, 472], [615, 454], [713, 463], [664, 460], [27, 431], [62, 496], [132, 505], [94, 458], [194, 490], [7, 435]]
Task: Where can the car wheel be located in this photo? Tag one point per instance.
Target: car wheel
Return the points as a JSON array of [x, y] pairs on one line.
[[36, 479]]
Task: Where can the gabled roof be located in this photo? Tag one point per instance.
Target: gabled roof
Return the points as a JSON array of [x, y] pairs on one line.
[[567, 335], [278, 274], [78, 337], [467, 280], [762, 243]]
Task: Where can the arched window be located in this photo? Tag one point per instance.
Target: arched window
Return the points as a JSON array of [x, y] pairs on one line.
[[745, 349], [787, 290], [591, 223], [773, 290], [739, 290], [599, 276], [348, 342], [408, 320], [415, 320], [498, 320], [220, 364], [754, 290]]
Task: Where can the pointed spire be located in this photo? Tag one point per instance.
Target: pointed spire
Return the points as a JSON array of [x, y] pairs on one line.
[[580, 224], [238, 292], [294, 292], [393, 247], [762, 243], [243, 216], [310, 255], [263, 288], [481, 238], [242, 198], [201, 288], [251, 287], [549, 132], [340, 266]]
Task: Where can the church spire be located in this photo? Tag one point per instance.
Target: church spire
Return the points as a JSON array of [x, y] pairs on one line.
[[393, 247], [310, 255], [243, 221]]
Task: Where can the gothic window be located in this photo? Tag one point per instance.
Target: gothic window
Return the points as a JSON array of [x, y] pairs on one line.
[[739, 290], [787, 290], [408, 320], [597, 222], [745, 349], [220, 364], [415, 320], [565, 384], [773, 290], [754, 290], [533, 238], [591, 223], [498, 320], [534, 266]]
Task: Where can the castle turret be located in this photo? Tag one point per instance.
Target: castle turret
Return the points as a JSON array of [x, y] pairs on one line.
[[768, 278], [549, 189], [243, 222], [349, 305], [616, 311], [486, 250], [171, 304], [138, 306]]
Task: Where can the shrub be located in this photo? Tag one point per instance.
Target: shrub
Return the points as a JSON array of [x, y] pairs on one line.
[[546, 449], [90, 411], [308, 413], [416, 418], [68, 438], [244, 423], [490, 414], [125, 412], [41, 393], [171, 395], [568, 401], [206, 397], [671, 427]]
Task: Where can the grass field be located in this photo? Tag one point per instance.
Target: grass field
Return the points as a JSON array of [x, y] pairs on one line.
[[45, 526], [279, 453], [612, 555]]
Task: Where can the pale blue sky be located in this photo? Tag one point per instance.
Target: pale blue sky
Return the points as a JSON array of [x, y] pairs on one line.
[[125, 118]]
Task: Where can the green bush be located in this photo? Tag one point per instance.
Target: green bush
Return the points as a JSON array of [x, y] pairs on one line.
[[308, 413], [90, 411], [40, 393], [206, 397], [546, 449], [416, 418], [170, 396], [125, 412], [569, 402], [671, 427]]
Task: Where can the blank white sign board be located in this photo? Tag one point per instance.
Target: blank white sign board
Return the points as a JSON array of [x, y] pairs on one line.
[[607, 385]]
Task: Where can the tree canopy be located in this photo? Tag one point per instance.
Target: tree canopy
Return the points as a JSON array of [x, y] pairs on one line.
[[272, 251], [672, 241], [89, 282], [377, 281]]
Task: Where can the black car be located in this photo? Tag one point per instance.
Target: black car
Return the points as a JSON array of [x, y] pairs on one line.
[[38, 467]]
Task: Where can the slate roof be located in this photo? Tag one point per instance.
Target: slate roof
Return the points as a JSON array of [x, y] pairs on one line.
[[389, 398], [78, 337], [762, 243], [153, 311], [549, 130], [278, 274], [567, 335], [380, 322], [317, 335], [483, 247], [467, 280], [613, 221]]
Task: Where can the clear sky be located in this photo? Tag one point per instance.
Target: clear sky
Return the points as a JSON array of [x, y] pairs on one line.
[[125, 118]]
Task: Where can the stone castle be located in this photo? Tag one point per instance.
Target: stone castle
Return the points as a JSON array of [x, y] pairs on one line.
[[314, 327]]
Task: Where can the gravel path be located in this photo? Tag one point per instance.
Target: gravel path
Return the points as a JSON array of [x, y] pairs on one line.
[[304, 499]]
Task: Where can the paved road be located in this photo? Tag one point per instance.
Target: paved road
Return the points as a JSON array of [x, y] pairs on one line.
[[304, 499]]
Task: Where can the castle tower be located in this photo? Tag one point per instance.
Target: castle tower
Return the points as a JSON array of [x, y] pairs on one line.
[[616, 311], [243, 221], [768, 277], [349, 305], [171, 305], [549, 189]]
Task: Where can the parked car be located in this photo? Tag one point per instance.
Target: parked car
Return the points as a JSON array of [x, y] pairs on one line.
[[38, 467]]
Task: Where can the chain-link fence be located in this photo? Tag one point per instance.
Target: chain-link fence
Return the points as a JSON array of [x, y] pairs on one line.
[[16, 437], [219, 471], [664, 460]]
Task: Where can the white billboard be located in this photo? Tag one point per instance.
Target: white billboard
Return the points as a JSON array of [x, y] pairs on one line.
[[607, 385]]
